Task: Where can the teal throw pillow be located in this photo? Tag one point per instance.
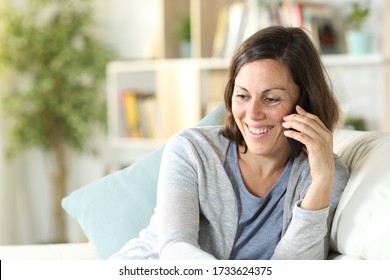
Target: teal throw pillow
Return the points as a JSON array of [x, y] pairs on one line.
[[115, 208]]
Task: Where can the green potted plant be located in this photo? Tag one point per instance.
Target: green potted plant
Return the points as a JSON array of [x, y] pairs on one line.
[[56, 100], [355, 123], [358, 40], [182, 32]]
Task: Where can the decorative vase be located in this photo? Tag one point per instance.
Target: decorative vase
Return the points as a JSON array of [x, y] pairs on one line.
[[358, 42], [185, 47]]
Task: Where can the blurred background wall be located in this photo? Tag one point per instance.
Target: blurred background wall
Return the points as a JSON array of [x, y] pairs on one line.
[[128, 27]]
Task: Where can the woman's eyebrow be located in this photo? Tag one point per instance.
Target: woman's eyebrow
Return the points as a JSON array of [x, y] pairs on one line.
[[274, 88], [241, 87], [264, 91]]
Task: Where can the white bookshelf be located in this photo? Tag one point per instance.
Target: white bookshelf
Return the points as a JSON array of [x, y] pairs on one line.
[[186, 89]]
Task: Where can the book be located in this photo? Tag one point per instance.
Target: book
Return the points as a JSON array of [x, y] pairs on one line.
[[131, 114], [242, 19], [220, 33], [236, 20], [320, 20], [141, 114], [149, 115], [258, 16]]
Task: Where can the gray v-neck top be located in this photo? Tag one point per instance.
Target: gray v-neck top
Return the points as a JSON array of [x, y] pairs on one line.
[[260, 220]]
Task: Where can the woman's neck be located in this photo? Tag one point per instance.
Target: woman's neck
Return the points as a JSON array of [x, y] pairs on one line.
[[260, 173]]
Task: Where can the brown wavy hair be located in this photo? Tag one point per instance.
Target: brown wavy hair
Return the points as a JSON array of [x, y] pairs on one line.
[[292, 47]]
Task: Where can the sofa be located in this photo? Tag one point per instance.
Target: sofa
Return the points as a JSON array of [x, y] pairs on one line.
[[117, 207]]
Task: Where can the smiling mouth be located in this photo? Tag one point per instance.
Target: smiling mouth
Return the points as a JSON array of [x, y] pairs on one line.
[[259, 131]]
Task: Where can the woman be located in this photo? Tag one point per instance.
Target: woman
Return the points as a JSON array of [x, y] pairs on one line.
[[235, 191]]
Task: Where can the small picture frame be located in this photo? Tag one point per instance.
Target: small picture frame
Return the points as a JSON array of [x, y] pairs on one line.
[[327, 34]]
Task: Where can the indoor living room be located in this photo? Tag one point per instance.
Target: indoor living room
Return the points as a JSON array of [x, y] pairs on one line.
[[157, 67]]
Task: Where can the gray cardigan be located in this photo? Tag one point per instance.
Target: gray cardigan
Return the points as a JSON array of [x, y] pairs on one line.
[[203, 221]]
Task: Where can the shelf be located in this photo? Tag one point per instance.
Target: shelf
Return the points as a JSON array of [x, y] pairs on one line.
[[355, 60], [328, 60], [223, 63], [186, 87], [124, 151], [137, 143]]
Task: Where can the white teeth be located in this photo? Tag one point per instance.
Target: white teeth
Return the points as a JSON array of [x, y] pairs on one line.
[[259, 130]]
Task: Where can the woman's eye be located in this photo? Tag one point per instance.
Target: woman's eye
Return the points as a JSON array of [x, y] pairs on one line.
[[241, 96], [271, 100]]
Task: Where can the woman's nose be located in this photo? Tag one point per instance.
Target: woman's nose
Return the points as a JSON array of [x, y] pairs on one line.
[[255, 109]]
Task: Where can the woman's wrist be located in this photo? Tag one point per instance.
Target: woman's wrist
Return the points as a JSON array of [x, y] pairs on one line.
[[318, 195]]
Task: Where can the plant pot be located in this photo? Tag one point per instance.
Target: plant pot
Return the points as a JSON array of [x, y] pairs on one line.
[[185, 48], [358, 42]]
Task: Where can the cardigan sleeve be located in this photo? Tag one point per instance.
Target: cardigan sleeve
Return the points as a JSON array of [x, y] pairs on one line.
[[178, 203], [308, 232], [304, 238]]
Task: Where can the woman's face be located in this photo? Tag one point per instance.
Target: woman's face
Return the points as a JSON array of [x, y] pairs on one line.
[[264, 93]]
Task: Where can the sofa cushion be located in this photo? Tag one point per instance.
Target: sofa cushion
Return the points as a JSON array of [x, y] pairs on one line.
[[115, 208], [361, 226]]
